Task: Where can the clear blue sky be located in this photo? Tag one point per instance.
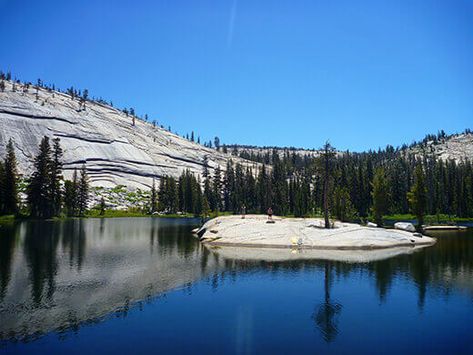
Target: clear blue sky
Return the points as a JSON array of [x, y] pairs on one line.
[[292, 73]]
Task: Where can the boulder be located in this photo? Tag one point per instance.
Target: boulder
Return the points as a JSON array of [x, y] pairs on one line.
[[371, 225], [405, 226]]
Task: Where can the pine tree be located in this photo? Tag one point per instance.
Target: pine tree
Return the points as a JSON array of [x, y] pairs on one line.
[[83, 192], [342, 206], [172, 195], [10, 181], [205, 207], [154, 198], [380, 195], [417, 196], [39, 193], [56, 176], [70, 195], [217, 189], [326, 164]]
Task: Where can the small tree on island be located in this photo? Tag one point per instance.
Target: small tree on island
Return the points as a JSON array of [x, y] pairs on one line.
[[325, 166]]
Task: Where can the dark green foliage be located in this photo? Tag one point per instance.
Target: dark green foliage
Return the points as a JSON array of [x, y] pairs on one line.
[[40, 198], [56, 177], [417, 196], [342, 206], [168, 200], [9, 182], [70, 195], [216, 202], [153, 199], [326, 166], [380, 195], [83, 192]]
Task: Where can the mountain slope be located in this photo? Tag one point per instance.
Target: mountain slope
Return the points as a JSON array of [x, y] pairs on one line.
[[115, 151], [456, 147]]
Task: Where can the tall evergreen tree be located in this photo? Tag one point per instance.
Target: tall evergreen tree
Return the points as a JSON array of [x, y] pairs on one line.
[[380, 195], [217, 189], [417, 196], [56, 176], [83, 192], [39, 197], [326, 164], [70, 195], [10, 181], [153, 198]]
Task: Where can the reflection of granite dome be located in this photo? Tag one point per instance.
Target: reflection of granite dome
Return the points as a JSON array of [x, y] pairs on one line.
[[62, 274], [115, 151]]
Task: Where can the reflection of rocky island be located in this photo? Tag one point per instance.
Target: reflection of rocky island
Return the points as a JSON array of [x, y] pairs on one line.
[[254, 231], [288, 254], [60, 275]]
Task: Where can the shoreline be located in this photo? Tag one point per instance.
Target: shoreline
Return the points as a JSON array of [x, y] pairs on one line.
[[253, 231]]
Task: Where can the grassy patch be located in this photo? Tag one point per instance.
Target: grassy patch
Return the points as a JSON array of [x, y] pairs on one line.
[[7, 219], [429, 219]]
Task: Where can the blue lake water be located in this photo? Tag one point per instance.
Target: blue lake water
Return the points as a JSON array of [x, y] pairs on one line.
[[140, 285]]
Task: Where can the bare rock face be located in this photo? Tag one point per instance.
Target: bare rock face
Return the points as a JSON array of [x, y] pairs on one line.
[[457, 147], [115, 151]]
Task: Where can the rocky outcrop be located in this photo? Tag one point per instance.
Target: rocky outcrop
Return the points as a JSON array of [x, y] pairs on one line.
[[115, 151], [300, 233], [457, 147]]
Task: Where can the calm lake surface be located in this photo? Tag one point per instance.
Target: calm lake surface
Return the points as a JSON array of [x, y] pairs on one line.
[[137, 285]]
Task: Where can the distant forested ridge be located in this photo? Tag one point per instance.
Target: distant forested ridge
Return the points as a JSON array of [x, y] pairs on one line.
[[292, 184]]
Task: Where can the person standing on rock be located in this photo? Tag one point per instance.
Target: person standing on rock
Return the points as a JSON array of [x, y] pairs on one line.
[[270, 214], [243, 211]]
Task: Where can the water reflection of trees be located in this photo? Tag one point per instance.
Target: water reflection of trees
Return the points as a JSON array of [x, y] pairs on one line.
[[439, 267], [74, 241], [55, 252], [327, 313], [40, 244], [8, 235]]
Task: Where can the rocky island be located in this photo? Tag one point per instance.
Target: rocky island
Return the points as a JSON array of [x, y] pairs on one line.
[[304, 233]]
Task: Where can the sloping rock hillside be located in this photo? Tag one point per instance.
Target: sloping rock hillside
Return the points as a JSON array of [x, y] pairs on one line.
[[456, 147], [115, 151]]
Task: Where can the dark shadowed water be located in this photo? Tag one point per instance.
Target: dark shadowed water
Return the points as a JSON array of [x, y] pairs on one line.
[[146, 285]]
